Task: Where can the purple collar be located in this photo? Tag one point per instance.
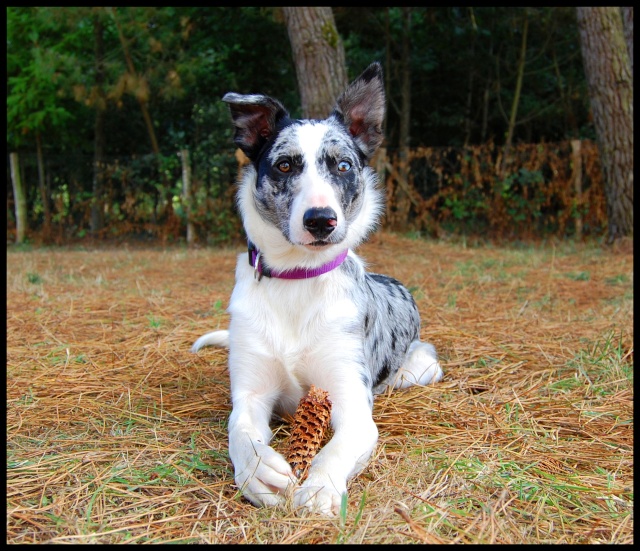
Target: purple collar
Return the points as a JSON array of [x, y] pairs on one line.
[[260, 270]]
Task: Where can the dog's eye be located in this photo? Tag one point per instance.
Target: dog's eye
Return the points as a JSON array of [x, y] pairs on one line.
[[344, 166], [284, 166]]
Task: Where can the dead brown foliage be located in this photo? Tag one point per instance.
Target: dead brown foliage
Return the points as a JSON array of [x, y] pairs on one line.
[[544, 189], [550, 189], [117, 433]]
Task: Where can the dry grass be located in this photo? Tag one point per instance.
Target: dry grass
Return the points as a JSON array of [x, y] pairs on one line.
[[116, 433]]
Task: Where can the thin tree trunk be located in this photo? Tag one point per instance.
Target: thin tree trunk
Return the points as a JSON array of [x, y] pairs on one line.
[[387, 73], [44, 192], [609, 77], [471, 76], [318, 54], [141, 100], [98, 132], [516, 98], [405, 111], [402, 197], [186, 193], [485, 112], [576, 163], [20, 198], [381, 160], [571, 126], [486, 96], [627, 22], [97, 201]]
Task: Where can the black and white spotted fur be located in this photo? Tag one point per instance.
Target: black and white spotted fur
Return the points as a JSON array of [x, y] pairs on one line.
[[308, 195]]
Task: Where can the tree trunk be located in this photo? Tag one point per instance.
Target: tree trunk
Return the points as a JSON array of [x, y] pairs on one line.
[[97, 201], [186, 193], [489, 84], [44, 192], [485, 111], [404, 139], [405, 89], [627, 22], [468, 122], [576, 165], [609, 78], [98, 132], [20, 198], [318, 54], [142, 98], [387, 73], [142, 101], [516, 98]]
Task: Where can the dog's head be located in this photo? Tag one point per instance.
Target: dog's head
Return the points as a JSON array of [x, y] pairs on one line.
[[309, 190]]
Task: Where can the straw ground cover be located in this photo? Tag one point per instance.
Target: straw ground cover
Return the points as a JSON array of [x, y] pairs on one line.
[[117, 433]]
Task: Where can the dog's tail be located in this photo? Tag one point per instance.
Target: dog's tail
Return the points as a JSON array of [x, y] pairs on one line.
[[216, 338]]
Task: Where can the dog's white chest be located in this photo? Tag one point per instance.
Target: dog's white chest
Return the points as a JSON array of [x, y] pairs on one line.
[[294, 322]]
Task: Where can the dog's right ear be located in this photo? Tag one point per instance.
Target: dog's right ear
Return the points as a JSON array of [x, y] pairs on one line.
[[255, 118], [361, 108]]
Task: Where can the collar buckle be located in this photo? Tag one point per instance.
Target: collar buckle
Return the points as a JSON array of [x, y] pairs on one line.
[[257, 271]]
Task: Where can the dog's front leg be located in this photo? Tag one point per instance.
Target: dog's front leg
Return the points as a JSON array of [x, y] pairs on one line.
[[346, 454], [262, 474]]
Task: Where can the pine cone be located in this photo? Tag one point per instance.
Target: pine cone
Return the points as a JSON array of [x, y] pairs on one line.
[[310, 424]]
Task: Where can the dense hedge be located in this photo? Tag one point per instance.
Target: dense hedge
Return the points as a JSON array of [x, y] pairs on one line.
[[448, 190]]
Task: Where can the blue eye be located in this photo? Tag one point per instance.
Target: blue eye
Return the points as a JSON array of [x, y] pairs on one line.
[[344, 166]]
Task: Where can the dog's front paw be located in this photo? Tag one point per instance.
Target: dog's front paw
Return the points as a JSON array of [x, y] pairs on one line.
[[319, 494], [264, 476]]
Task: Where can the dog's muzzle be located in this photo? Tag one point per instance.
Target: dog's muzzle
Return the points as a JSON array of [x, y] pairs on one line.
[[320, 222]]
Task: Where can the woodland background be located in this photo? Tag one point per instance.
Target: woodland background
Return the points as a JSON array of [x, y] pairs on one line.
[[499, 126], [116, 129]]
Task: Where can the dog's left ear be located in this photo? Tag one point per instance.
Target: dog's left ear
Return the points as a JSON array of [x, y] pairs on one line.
[[361, 108]]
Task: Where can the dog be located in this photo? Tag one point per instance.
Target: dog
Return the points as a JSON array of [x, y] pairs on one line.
[[303, 309]]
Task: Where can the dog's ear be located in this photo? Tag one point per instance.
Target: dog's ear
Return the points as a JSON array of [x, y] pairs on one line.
[[361, 108], [255, 118]]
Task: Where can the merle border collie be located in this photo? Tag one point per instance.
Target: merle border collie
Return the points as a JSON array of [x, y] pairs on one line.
[[304, 310]]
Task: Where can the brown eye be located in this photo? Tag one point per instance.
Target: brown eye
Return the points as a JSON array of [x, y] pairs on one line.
[[284, 166], [344, 166]]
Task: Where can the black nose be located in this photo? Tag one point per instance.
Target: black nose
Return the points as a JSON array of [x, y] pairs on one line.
[[320, 222]]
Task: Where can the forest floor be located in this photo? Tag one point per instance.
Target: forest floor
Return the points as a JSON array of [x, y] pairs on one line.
[[117, 433]]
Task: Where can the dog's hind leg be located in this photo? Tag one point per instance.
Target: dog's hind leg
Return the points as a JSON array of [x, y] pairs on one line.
[[420, 367], [215, 338]]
